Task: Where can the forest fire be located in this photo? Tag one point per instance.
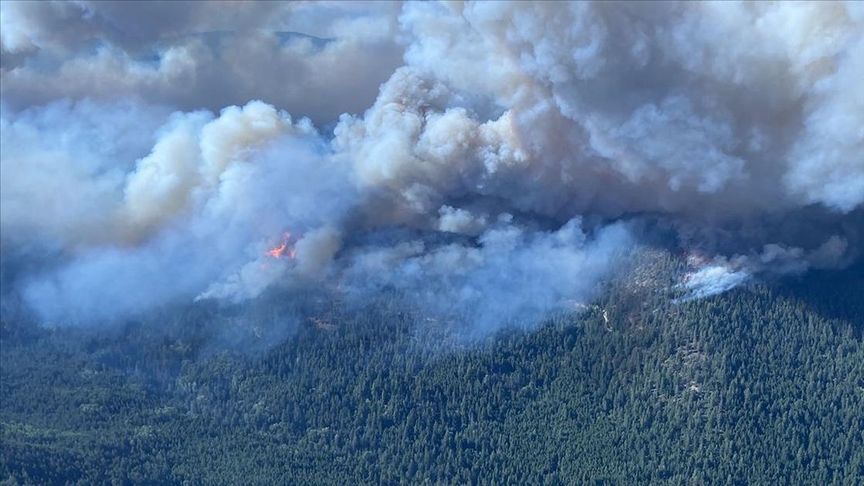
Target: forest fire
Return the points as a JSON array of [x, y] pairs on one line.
[[285, 249]]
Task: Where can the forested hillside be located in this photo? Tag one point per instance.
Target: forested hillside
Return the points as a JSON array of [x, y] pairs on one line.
[[761, 385]]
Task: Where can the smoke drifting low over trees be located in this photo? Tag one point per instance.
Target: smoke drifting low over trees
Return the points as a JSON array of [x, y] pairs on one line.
[[513, 155]]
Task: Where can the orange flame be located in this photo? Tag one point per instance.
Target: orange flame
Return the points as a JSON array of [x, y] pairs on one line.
[[283, 249], [277, 252]]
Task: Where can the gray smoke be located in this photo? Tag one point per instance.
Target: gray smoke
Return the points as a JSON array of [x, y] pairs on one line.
[[317, 60], [502, 170]]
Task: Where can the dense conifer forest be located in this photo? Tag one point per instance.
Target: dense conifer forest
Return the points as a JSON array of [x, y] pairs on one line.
[[431, 243], [760, 385]]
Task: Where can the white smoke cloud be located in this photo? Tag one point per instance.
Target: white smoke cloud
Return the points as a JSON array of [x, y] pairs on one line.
[[457, 220], [690, 97], [512, 277], [707, 278], [484, 181], [220, 188], [713, 279], [63, 168]]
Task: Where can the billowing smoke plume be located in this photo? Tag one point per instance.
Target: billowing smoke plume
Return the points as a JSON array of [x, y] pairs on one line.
[[507, 167]]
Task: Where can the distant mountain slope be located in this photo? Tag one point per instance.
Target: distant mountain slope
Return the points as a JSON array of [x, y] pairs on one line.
[[760, 385]]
